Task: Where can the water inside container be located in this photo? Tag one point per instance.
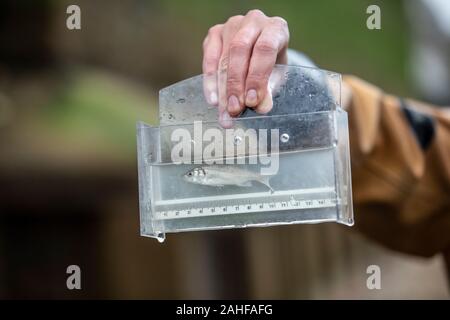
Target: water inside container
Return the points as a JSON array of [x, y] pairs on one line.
[[303, 186]]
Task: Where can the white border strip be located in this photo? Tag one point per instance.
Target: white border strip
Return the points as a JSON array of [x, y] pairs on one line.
[[265, 195]]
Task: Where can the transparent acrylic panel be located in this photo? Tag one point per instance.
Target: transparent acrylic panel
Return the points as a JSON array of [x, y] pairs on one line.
[[246, 136], [294, 90], [289, 166]]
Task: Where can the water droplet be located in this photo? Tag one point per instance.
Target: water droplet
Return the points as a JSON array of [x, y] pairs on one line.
[[284, 138], [160, 237], [181, 100], [237, 140], [150, 156], [170, 116]]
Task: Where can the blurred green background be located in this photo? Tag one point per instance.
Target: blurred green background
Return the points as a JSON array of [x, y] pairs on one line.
[[159, 43]]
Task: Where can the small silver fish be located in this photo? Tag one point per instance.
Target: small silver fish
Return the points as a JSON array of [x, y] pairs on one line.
[[221, 175]]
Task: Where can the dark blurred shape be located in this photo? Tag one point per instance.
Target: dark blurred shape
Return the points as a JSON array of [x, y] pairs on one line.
[[422, 125], [24, 34]]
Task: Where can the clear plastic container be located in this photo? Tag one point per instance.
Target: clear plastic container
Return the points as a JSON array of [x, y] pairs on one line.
[[287, 167]]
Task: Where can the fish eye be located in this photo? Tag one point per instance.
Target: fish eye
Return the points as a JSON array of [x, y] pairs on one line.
[[189, 174]]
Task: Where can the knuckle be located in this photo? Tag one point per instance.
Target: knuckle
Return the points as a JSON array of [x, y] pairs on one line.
[[255, 13], [234, 77], [214, 29], [257, 79], [234, 87], [233, 81], [210, 62], [234, 19], [278, 21], [266, 47], [280, 28], [239, 46]]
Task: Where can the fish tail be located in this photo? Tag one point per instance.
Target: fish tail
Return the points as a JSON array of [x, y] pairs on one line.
[[266, 181]]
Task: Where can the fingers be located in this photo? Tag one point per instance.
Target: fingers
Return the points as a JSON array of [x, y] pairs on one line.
[[231, 27], [240, 50], [225, 120], [243, 51], [266, 104], [212, 50], [270, 43]]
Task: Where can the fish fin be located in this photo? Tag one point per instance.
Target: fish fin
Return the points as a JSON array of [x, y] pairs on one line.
[[245, 184], [266, 181]]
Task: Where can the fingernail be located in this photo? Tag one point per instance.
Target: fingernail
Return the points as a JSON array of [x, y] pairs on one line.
[[226, 116], [265, 105], [213, 98], [233, 104], [252, 98], [225, 120]]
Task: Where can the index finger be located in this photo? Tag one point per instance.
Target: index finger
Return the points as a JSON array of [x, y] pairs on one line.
[[212, 49]]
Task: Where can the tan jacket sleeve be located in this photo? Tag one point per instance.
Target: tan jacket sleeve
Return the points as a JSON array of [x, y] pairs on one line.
[[400, 153]]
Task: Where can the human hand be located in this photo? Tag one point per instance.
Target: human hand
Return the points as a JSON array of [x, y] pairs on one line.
[[238, 58]]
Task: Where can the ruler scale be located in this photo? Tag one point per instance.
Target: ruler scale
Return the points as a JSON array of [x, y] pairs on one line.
[[258, 202]]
